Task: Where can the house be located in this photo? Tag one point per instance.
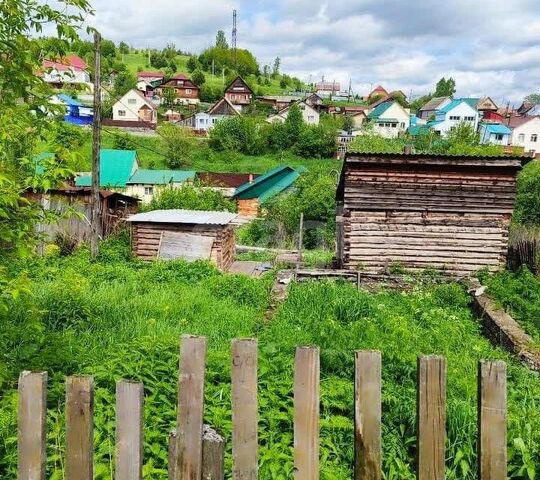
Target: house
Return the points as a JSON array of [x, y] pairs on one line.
[[327, 89], [277, 102], [116, 167], [344, 140], [252, 195], [494, 133], [454, 113], [150, 76], [184, 234], [525, 132], [377, 92], [314, 100], [134, 107], [225, 183], [423, 211], [358, 118], [148, 89], [486, 106], [239, 94], [75, 112], [204, 121], [309, 114], [71, 69], [144, 184], [430, 108], [493, 116], [187, 93], [389, 119]]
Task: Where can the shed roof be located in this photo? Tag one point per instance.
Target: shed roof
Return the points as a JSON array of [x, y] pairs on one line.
[[191, 217], [498, 128], [116, 167], [268, 185], [160, 177]]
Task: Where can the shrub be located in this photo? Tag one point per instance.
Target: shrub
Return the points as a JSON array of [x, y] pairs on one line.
[[527, 210], [178, 143], [316, 141], [240, 134], [190, 197]]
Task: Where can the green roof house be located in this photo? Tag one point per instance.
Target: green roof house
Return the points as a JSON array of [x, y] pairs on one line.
[[116, 168], [253, 194], [389, 119], [144, 183]]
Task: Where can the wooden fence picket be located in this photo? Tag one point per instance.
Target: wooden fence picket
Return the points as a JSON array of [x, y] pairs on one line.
[[79, 428], [31, 433], [492, 461], [306, 413], [129, 430], [244, 409], [188, 452], [367, 416], [431, 417]]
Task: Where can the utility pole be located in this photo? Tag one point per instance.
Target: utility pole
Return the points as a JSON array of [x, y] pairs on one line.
[[96, 147], [234, 31]]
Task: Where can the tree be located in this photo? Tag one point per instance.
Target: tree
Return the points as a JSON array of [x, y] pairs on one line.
[[158, 59], [533, 98], [198, 78], [123, 83], [445, 87], [192, 63], [123, 48], [221, 40], [108, 48], [277, 64], [169, 97], [348, 123], [177, 142]]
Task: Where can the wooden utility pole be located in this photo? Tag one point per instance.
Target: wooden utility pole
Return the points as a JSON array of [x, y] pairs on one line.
[[96, 147]]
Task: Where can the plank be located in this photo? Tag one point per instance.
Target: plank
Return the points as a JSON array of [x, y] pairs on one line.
[[244, 409], [187, 246], [306, 413], [31, 431], [367, 415], [129, 430], [188, 457], [213, 455], [431, 417], [492, 455], [79, 428]]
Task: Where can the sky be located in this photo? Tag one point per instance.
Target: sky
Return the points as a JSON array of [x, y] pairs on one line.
[[490, 47]]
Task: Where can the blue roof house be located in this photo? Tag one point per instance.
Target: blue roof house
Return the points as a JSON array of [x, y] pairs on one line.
[[451, 115], [494, 133], [76, 112]]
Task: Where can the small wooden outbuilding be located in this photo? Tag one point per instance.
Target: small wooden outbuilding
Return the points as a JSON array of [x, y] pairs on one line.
[[421, 211], [186, 234]]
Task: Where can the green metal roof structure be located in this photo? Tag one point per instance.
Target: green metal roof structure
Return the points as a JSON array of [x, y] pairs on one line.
[[269, 185], [379, 110], [160, 177], [116, 167]]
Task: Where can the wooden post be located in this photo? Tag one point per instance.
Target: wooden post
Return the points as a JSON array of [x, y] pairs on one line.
[[188, 455], [244, 409], [79, 428], [129, 430], [32, 416], [300, 240], [96, 147], [306, 413], [431, 417], [367, 416], [213, 455], [492, 455]]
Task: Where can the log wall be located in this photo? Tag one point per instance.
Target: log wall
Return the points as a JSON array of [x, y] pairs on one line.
[[248, 207], [145, 240], [449, 217]]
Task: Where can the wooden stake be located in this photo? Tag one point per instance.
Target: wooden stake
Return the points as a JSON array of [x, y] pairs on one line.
[[213, 455], [79, 428], [244, 409], [300, 240], [367, 416], [306, 413], [431, 417], [32, 425], [190, 408], [129, 430], [96, 148], [492, 455]]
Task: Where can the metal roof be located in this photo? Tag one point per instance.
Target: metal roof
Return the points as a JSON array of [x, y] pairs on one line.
[[434, 103], [160, 177], [116, 167], [497, 128], [379, 110], [192, 217], [72, 102]]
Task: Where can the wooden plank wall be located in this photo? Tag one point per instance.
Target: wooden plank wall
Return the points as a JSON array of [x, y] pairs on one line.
[[146, 236], [456, 221]]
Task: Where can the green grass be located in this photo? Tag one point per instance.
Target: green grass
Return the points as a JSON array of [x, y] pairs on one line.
[[118, 318]]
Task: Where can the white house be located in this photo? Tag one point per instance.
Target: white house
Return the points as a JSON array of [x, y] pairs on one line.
[[526, 132], [389, 119], [134, 107], [451, 115], [494, 133], [67, 70], [309, 114], [206, 120]]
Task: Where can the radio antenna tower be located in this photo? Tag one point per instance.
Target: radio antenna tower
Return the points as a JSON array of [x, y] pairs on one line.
[[234, 37]]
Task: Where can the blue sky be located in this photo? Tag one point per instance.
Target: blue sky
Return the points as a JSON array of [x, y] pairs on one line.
[[489, 47]]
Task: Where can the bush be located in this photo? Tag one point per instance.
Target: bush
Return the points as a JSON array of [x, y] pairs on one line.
[[316, 141], [124, 141], [178, 142], [527, 211], [238, 134], [190, 197]]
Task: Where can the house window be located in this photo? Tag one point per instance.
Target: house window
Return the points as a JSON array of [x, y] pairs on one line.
[[469, 119], [498, 136], [534, 137], [521, 137], [121, 113], [455, 117], [311, 118], [132, 101], [188, 91], [402, 124], [149, 190]]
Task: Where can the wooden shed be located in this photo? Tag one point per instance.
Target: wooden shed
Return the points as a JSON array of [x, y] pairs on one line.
[[186, 234], [421, 211]]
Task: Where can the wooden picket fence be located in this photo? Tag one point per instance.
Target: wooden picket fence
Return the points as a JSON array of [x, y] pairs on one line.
[[196, 453]]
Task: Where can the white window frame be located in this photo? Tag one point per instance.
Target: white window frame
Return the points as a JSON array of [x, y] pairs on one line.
[[132, 101], [521, 137], [149, 190], [121, 113]]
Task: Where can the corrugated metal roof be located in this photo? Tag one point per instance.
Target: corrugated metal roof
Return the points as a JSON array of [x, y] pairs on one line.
[[434, 103], [72, 102], [192, 217], [497, 128], [116, 167], [268, 185], [379, 110], [160, 177]]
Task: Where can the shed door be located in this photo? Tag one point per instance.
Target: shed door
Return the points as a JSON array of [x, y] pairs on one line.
[[187, 246]]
